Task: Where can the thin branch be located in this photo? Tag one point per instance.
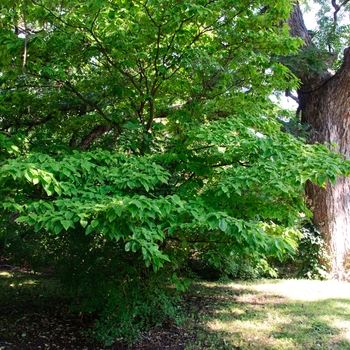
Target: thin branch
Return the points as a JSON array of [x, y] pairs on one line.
[[132, 80], [189, 178], [95, 19], [25, 33], [68, 86], [337, 9], [289, 94], [150, 16], [27, 86], [55, 16], [29, 124], [110, 61], [151, 113], [226, 164], [142, 75], [177, 31]]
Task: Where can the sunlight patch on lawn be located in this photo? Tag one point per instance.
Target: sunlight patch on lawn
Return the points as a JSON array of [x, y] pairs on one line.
[[25, 283], [264, 335], [306, 290], [5, 274], [344, 326], [280, 314]]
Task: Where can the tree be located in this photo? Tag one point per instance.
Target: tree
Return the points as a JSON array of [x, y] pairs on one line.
[[146, 129], [323, 101]]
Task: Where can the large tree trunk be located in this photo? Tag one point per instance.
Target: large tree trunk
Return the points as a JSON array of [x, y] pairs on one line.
[[325, 104]]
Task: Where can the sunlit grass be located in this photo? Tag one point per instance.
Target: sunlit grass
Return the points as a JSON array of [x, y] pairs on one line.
[[15, 279], [262, 315], [26, 285], [5, 274], [281, 314]]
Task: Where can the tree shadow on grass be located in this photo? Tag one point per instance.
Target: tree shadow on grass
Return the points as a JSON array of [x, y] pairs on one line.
[[35, 314], [241, 317]]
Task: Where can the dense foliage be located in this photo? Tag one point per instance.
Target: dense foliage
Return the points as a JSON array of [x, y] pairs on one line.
[[142, 133]]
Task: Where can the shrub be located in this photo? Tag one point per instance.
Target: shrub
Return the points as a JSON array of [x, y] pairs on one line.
[[211, 266], [311, 259], [101, 279]]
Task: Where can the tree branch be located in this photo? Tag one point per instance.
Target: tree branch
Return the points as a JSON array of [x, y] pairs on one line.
[[29, 124], [25, 33], [337, 9], [96, 132], [68, 86]]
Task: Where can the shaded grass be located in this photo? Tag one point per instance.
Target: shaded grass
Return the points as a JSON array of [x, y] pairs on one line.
[[35, 313], [264, 315], [282, 314]]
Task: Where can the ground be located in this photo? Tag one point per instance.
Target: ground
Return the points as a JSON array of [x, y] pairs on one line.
[[47, 322], [224, 315]]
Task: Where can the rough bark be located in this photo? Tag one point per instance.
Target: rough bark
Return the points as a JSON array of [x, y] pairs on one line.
[[324, 102]]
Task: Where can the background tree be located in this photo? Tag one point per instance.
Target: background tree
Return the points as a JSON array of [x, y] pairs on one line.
[[324, 104]]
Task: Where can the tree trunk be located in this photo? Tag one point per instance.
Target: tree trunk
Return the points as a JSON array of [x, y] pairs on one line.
[[325, 105]]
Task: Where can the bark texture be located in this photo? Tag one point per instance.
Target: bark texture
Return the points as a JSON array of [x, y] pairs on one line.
[[325, 104]]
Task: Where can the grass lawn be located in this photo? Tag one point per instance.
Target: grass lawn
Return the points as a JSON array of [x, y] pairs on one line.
[[271, 314], [265, 314]]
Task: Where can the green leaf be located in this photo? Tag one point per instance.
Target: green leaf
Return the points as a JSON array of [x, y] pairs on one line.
[[176, 199], [94, 223], [239, 225], [213, 221], [58, 227], [83, 222], [22, 219], [128, 246], [223, 224], [69, 215], [89, 229], [134, 246], [67, 224], [184, 244]]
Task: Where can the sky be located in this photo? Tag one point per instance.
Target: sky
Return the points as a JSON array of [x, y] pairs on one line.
[[310, 16]]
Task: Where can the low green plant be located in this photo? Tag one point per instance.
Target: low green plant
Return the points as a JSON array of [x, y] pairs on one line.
[[125, 296], [311, 259], [249, 269], [134, 308], [211, 266], [101, 280]]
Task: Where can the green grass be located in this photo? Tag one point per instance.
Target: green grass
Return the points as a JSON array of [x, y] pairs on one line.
[[261, 315], [21, 284], [281, 314]]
